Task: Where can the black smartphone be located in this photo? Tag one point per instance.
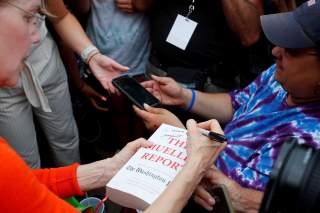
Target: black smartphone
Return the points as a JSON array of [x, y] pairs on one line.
[[223, 202], [135, 92]]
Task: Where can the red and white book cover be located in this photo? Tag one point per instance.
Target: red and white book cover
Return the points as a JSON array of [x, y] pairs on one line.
[[147, 174]]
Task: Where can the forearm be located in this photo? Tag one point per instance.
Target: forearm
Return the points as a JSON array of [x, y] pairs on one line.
[[72, 34], [177, 194], [95, 175], [69, 60], [243, 17], [210, 105], [249, 201], [142, 5]]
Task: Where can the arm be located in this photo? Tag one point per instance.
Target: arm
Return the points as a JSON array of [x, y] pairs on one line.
[[72, 68], [201, 154], [96, 175], [180, 189], [67, 26], [243, 17], [21, 190], [72, 34], [208, 105], [142, 5]]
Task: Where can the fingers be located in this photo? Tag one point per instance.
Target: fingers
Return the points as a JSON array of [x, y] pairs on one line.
[[148, 118], [202, 203], [145, 115], [126, 8], [203, 198], [162, 80], [125, 5], [96, 95], [148, 84], [153, 109], [212, 125], [210, 173], [118, 67], [192, 128], [137, 144], [96, 106], [110, 87]]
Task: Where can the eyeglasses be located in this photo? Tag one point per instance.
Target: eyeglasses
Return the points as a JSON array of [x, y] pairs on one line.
[[35, 19]]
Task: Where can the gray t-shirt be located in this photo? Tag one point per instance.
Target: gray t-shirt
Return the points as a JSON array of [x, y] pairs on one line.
[[121, 36]]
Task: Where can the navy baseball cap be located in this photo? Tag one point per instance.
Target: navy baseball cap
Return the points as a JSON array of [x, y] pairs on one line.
[[297, 29]]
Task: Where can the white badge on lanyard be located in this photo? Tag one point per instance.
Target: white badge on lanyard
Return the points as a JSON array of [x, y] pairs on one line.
[[182, 30]]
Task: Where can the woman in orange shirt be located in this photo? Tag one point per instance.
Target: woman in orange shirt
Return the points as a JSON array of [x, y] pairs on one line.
[[26, 190]]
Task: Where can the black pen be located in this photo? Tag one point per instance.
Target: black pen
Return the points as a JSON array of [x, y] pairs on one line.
[[213, 135]]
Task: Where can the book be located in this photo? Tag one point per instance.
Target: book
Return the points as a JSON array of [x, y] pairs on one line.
[[148, 172]]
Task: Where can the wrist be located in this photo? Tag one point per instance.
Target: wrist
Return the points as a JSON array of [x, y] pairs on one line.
[[186, 96], [192, 100], [246, 200], [94, 175], [197, 162], [88, 53]]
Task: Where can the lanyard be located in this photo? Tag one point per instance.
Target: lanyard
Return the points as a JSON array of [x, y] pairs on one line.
[[191, 8]]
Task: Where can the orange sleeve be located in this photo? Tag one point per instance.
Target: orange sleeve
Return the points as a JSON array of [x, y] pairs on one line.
[[21, 190], [61, 181]]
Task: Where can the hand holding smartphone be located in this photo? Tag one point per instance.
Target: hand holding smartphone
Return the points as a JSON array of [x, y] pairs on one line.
[[223, 201], [135, 92]]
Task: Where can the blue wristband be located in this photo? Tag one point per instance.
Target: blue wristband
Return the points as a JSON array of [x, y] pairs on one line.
[[193, 100]]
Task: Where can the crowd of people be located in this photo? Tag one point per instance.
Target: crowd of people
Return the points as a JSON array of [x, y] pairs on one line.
[[219, 69]]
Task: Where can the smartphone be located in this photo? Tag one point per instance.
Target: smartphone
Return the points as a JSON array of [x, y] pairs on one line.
[[135, 92], [223, 201]]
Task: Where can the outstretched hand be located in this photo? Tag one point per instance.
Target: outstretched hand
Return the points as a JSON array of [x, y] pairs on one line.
[[105, 69], [167, 90]]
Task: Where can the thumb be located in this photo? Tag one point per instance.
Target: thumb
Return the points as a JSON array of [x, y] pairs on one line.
[[118, 67], [161, 80], [192, 128], [152, 109], [215, 126]]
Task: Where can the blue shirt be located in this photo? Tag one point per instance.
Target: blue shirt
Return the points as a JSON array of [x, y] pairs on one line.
[[121, 36], [262, 121]]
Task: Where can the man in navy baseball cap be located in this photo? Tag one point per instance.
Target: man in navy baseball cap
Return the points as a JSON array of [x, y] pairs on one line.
[[297, 29]]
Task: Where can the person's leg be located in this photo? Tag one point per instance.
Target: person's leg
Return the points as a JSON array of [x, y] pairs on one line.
[[59, 126], [16, 125]]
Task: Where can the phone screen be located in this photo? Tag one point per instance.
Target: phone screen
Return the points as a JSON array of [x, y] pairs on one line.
[[135, 92]]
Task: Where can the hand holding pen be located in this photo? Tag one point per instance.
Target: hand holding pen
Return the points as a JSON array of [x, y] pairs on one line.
[[212, 129], [200, 147]]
